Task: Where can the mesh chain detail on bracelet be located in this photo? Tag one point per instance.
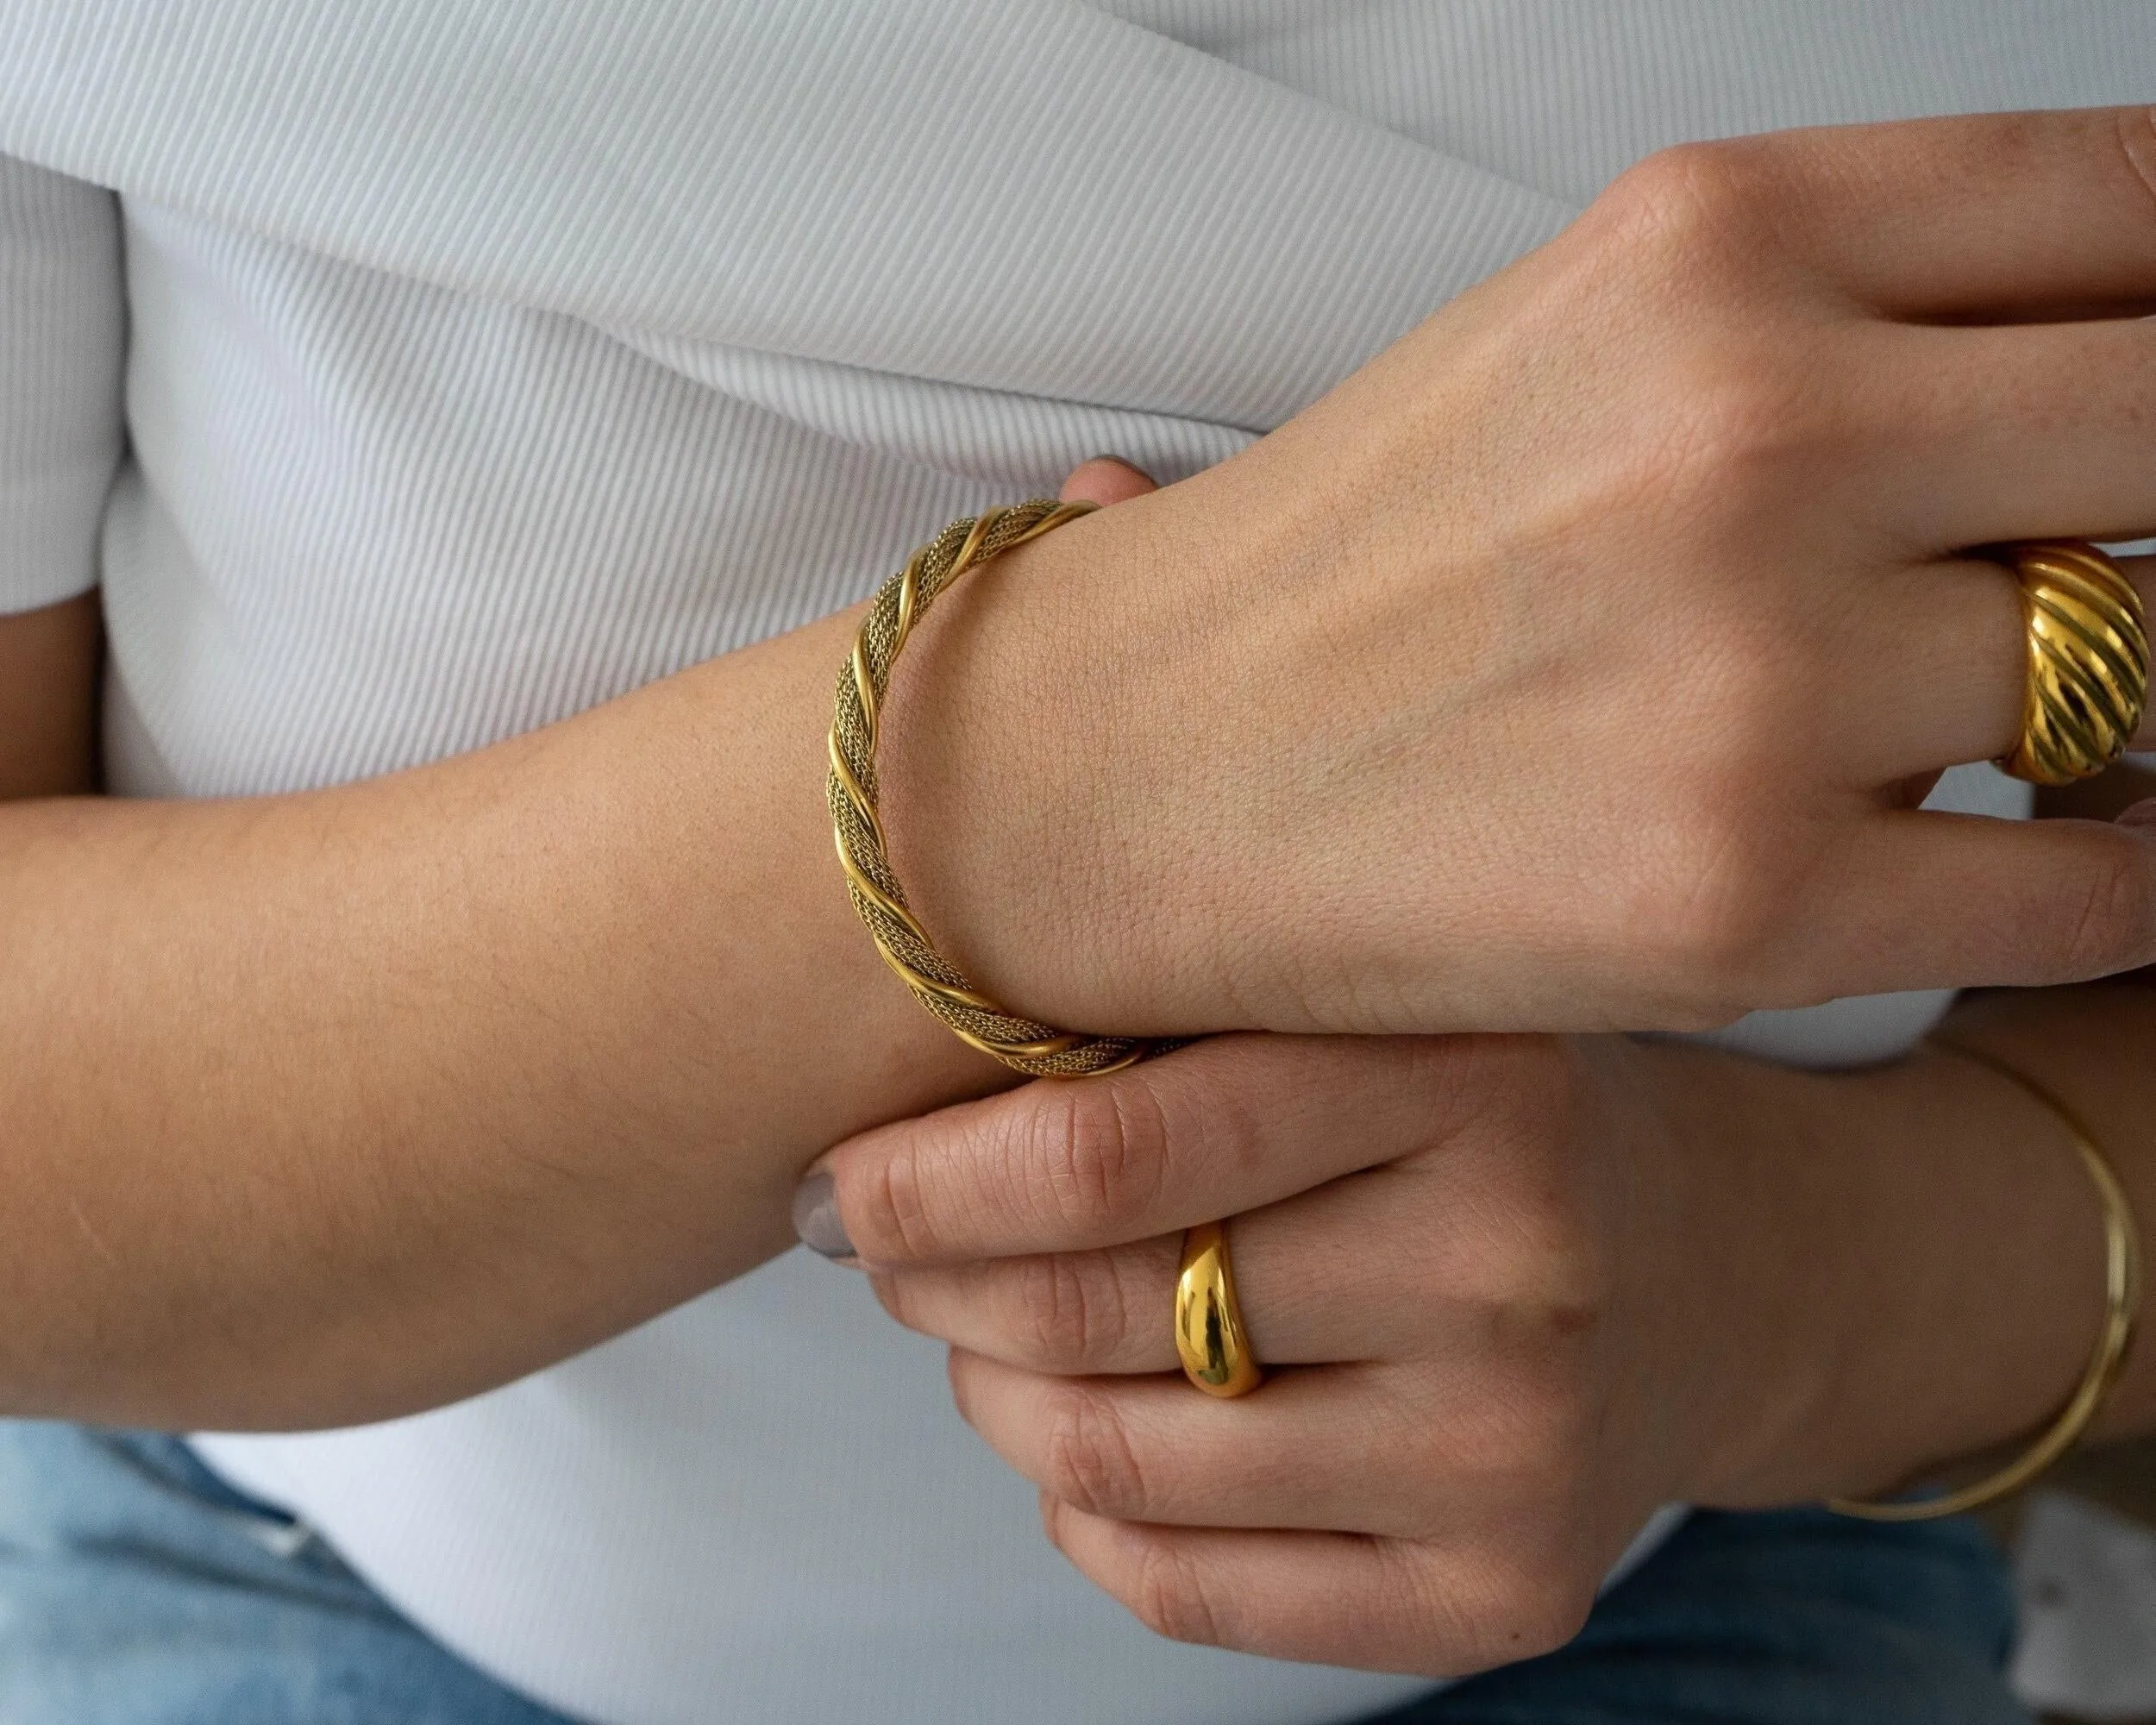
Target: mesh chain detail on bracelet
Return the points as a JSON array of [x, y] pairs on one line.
[[1040, 1050]]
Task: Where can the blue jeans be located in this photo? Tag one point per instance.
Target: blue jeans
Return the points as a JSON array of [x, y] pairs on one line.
[[137, 1589]]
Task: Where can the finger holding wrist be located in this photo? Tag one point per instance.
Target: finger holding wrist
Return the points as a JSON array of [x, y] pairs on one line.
[[1225, 1125], [1416, 1260]]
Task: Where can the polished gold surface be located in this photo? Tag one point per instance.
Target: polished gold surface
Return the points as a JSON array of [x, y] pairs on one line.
[[1209, 1334], [2088, 663], [2121, 1300], [1039, 1050]]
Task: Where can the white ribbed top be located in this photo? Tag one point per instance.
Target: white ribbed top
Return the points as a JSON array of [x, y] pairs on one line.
[[491, 357]]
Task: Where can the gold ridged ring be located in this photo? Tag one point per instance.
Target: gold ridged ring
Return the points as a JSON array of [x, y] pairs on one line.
[[2088, 661], [1210, 1339]]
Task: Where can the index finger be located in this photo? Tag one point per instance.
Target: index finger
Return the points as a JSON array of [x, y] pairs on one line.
[[1972, 215], [1065, 1165]]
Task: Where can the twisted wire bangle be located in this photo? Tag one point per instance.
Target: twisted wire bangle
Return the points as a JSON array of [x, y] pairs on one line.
[[2121, 1300], [1038, 1049]]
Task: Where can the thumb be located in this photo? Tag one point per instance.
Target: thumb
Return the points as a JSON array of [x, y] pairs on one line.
[[1230, 1124], [1103, 480], [2141, 817]]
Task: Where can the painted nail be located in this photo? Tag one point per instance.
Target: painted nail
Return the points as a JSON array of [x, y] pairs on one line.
[[816, 1217]]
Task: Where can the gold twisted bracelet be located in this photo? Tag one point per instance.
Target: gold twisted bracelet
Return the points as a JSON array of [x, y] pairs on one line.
[[2122, 1299], [1038, 1049]]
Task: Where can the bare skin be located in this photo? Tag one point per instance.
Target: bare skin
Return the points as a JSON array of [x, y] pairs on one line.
[[325, 1108]]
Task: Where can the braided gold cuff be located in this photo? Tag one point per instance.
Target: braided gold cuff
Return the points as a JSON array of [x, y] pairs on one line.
[[2088, 661], [1039, 1050], [2121, 1300]]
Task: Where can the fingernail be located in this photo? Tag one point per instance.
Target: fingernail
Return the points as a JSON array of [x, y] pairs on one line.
[[816, 1217], [2142, 815]]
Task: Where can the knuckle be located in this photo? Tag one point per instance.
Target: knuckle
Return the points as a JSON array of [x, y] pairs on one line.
[[1073, 1315], [1530, 1439], [893, 1217], [896, 1293], [1736, 394], [1535, 1609], [1535, 1091], [2134, 135], [1736, 417], [1514, 1093], [1489, 1077], [1169, 1595], [1525, 1080], [2113, 923], [1686, 201], [1102, 1153], [1716, 907], [1549, 1427], [1511, 1607], [1090, 1460], [1735, 430]]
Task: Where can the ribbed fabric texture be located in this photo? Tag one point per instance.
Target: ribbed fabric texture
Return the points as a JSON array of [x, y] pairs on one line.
[[485, 358], [62, 337]]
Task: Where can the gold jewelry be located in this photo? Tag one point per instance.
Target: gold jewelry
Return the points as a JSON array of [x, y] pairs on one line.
[[1038, 1049], [2122, 1299], [1210, 1339], [2088, 661]]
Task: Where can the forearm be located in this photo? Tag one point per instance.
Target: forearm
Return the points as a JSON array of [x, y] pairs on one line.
[[322, 1108], [1910, 1260], [48, 692]]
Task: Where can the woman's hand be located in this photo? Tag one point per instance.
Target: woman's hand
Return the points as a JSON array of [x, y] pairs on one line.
[[1577, 663], [1512, 1294]]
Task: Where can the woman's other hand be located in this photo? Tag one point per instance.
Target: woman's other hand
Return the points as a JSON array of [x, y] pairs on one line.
[[1512, 1293], [1578, 663]]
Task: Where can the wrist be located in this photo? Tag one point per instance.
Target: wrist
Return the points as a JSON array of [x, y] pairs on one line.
[[1032, 798], [1918, 1280], [1725, 1229]]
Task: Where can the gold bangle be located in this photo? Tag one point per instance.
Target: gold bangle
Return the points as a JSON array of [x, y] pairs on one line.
[[2122, 1297], [1038, 1049]]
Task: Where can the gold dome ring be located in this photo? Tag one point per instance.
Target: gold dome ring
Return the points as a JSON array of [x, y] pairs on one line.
[[1210, 1339]]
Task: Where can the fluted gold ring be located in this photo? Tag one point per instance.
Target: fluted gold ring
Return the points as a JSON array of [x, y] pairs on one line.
[[2088, 661], [1210, 1339]]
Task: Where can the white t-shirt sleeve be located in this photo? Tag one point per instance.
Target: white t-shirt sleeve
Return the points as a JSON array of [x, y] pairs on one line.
[[63, 347]]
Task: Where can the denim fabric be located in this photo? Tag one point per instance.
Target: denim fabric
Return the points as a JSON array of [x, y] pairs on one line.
[[137, 1589], [1795, 1617]]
